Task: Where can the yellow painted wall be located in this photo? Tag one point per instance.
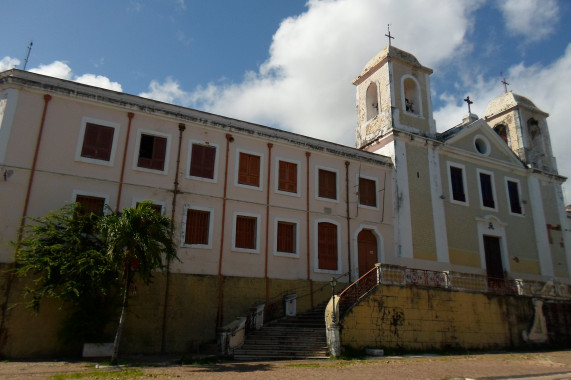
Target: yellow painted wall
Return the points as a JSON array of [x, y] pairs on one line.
[[419, 319]]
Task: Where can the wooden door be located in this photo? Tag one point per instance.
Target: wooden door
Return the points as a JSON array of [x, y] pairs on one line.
[[368, 253], [494, 265]]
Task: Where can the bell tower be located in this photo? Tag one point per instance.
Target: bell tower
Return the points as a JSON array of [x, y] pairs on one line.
[[523, 127], [393, 92]]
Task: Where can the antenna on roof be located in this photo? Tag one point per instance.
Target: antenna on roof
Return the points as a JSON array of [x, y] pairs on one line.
[[28, 55]]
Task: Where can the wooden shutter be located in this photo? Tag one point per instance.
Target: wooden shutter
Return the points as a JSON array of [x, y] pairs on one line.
[[327, 184], [89, 204], [202, 161], [246, 232], [513, 192], [327, 246], [367, 192], [487, 192], [286, 237], [97, 142], [287, 180], [197, 227], [457, 181], [249, 169], [152, 152]]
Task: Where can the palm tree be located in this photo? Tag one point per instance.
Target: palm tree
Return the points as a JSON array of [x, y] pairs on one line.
[[139, 240]]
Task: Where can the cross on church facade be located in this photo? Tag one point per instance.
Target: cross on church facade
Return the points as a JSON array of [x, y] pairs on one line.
[[505, 83], [467, 100], [389, 35]]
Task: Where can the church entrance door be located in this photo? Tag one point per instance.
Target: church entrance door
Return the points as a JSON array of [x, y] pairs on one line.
[[494, 265], [368, 253]]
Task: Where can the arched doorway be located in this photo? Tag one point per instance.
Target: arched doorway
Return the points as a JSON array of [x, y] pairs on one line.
[[367, 251]]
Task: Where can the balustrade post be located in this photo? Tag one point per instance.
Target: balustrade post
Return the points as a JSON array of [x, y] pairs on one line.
[[379, 274]]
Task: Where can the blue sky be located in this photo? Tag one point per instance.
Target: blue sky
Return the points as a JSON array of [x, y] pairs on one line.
[[289, 63]]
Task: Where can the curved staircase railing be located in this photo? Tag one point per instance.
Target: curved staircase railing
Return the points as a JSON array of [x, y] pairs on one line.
[[358, 289]]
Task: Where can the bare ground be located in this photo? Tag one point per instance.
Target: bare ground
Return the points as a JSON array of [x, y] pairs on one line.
[[529, 365]]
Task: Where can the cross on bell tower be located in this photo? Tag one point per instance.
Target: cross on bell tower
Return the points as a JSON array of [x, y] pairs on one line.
[[504, 82], [389, 35], [467, 100]]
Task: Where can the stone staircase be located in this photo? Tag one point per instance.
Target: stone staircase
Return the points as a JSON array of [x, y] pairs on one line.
[[299, 337]]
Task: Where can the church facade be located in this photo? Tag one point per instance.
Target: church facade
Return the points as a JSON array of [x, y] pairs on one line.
[[261, 213]]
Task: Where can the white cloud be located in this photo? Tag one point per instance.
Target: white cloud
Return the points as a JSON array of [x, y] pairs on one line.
[[168, 92], [8, 63], [56, 69], [98, 81], [532, 19]]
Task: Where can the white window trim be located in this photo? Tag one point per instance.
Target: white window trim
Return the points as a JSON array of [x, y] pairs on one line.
[[491, 174], [286, 254], [104, 123], [486, 143], [316, 247], [210, 227], [357, 176], [521, 204], [420, 113], [189, 157], [258, 222], [138, 146], [317, 168], [450, 164], [158, 203], [106, 208], [237, 169], [277, 177]]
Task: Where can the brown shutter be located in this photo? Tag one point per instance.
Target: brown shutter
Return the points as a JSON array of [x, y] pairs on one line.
[[89, 204], [97, 142], [287, 180], [159, 153], [367, 192], [197, 227], [327, 246], [286, 237], [202, 161], [249, 169], [246, 232], [152, 152], [327, 184]]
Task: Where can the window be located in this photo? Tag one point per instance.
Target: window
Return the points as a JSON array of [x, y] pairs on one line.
[[287, 176], [249, 169], [327, 249], [155, 206], [514, 197], [502, 131], [246, 234], [457, 181], [482, 145], [90, 204], [327, 184], [96, 142], [411, 95], [197, 226], [372, 101], [152, 152], [286, 237], [486, 190], [367, 192], [202, 161]]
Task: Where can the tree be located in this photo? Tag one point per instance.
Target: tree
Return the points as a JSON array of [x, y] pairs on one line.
[[138, 240], [65, 255]]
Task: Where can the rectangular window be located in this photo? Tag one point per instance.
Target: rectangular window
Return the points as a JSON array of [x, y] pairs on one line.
[[152, 152], [89, 204], [513, 194], [287, 180], [97, 142], [286, 237], [327, 184], [202, 161], [197, 227], [487, 191], [158, 208], [249, 169], [245, 235], [327, 246], [367, 192], [457, 182]]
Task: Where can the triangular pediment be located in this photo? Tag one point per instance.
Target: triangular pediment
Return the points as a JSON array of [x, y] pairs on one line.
[[479, 140]]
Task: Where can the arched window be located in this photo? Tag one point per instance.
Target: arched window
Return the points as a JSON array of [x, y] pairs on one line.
[[372, 108], [533, 127], [411, 95], [502, 131]]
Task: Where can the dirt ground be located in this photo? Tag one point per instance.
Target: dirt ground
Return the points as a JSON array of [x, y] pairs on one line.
[[529, 365]]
